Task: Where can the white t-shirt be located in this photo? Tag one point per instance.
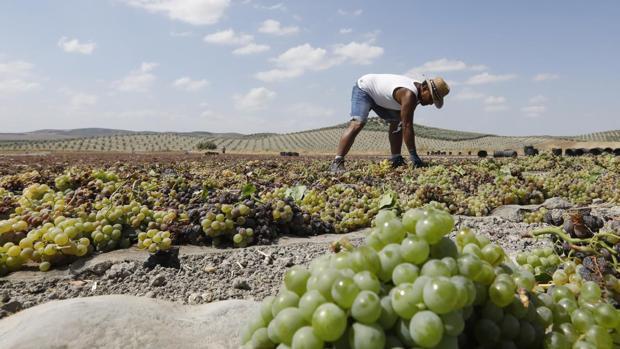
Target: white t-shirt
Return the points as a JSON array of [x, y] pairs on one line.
[[381, 88]]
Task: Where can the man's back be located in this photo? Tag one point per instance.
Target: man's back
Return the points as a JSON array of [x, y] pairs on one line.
[[381, 87]]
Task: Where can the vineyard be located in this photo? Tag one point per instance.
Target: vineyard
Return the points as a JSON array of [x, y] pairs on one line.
[[516, 253], [372, 140]]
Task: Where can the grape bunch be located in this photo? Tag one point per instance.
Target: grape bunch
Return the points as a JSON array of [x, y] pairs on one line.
[[154, 240], [411, 286], [539, 260], [537, 216]]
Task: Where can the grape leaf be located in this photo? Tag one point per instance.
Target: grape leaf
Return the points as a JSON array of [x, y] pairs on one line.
[[297, 192], [543, 278], [248, 190], [387, 200]]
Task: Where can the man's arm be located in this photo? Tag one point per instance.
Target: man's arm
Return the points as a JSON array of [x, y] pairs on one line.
[[408, 101]]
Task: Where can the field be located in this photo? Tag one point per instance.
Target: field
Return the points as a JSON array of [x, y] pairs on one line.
[[196, 229], [372, 140]]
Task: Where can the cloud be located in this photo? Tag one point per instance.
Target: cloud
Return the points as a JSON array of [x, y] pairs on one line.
[[296, 60], [494, 103], [17, 76], [486, 78], [533, 111], [80, 100], [468, 94], [74, 46], [251, 48], [442, 65], [358, 53], [139, 80], [345, 30], [187, 84], [538, 99], [256, 99], [545, 77], [274, 27], [350, 13], [196, 12], [310, 110], [279, 6], [494, 100], [229, 37]]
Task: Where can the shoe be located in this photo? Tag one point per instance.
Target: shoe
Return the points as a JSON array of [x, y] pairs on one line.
[[398, 161], [337, 166]]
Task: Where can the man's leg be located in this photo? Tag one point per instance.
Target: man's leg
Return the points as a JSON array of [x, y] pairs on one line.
[[348, 137], [396, 138]]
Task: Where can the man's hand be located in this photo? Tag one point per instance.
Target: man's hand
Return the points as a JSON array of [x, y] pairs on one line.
[[416, 162]]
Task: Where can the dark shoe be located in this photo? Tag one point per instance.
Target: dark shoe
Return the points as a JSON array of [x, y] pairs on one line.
[[417, 162], [337, 166], [397, 162]]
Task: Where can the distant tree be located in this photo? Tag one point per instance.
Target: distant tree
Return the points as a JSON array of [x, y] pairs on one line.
[[206, 145]]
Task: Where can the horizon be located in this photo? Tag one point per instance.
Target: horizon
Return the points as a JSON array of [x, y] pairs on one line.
[[249, 66]]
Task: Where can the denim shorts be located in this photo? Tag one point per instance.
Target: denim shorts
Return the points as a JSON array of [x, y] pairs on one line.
[[362, 103]]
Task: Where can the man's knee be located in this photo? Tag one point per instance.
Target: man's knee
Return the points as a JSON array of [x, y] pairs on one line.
[[356, 125]]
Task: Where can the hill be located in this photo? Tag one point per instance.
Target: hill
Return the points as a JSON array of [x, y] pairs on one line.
[[372, 139]]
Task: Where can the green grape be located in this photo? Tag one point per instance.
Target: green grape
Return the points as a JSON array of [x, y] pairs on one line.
[[295, 279], [501, 293], [599, 336], [426, 329], [405, 273], [344, 290], [362, 336], [309, 302], [414, 250], [556, 340], [411, 218], [486, 331], [440, 295], [265, 308], [509, 327], [366, 307], [388, 316], [391, 232], [288, 321], [284, 300], [606, 316], [329, 322], [366, 280], [432, 228], [445, 247], [453, 323], [305, 338], [260, 339], [405, 300], [435, 267]]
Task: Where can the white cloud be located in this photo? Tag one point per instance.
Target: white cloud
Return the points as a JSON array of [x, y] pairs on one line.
[[251, 48], [310, 110], [538, 99], [345, 30], [533, 111], [371, 37], [486, 78], [279, 6], [495, 107], [442, 65], [74, 46], [274, 27], [350, 13], [359, 53], [545, 77], [296, 60], [187, 84], [139, 80], [196, 12], [229, 37], [256, 99], [17, 76], [468, 94], [494, 100], [80, 100]]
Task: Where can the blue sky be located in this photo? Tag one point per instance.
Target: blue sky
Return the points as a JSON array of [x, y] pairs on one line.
[[515, 68]]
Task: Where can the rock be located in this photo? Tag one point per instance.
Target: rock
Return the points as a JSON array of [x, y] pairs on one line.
[[4, 297], [598, 201], [166, 259], [556, 202], [12, 307], [209, 269], [130, 322], [158, 280], [241, 284], [513, 213], [120, 270], [149, 294], [193, 298], [100, 268]]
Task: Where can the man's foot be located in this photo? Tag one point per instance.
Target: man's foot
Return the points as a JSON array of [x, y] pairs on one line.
[[397, 161], [337, 166]]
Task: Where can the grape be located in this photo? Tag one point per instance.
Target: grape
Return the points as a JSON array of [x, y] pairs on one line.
[[329, 322], [344, 291], [260, 339], [389, 258], [284, 300], [501, 293], [435, 267], [598, 336], [453, 323], [305, 338], [309, 302], [366, 307], [414, 250], [366, 280], [405, 273], [295, 280], [288, 321], [440, 295], [405, 300], [426, 329], [364, 336]]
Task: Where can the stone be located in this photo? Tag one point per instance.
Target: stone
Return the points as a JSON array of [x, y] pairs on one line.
[[158, 280], [130, 322], [557, 203], [100, 268], [12, 307], [241, 284], [193, 298]]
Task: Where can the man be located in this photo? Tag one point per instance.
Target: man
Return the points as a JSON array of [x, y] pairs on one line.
[[394, 99]]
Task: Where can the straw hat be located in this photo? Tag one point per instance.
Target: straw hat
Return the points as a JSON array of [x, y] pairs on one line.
[[439, 89]]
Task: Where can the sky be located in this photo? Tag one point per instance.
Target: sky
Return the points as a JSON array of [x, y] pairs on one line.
[[526, 67]]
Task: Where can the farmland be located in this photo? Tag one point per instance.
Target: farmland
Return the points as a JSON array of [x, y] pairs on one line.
[[372, 140]]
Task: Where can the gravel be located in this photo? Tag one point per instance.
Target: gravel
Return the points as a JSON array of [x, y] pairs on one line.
[[208, 275]]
